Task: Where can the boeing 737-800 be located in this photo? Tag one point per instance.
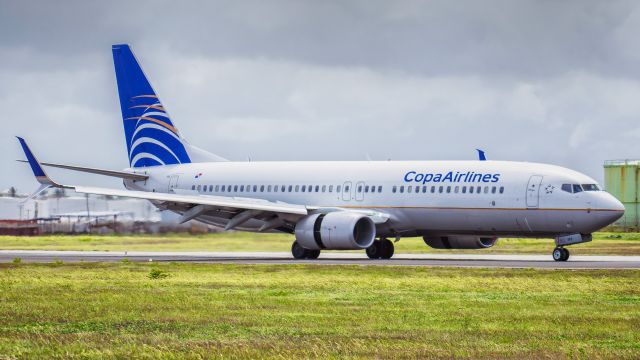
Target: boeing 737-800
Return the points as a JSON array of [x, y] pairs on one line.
[[343, 205]]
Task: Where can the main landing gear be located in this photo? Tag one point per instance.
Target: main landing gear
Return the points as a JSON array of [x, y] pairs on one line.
[[560, 254], [380, 249], [301, 253]]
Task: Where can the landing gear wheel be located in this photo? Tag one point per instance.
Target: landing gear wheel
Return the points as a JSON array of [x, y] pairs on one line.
[[387, 249], [375, 250], [298, 251], [560, 254]]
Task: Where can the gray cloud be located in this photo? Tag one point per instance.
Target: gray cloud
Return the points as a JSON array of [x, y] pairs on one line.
[[526, 80]]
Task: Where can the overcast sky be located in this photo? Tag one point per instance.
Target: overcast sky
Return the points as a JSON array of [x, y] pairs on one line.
[[542, 81]]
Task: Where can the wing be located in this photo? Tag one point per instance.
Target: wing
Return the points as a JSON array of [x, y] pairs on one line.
[[231, 211]]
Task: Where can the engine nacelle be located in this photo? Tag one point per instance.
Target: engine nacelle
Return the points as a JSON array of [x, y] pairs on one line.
[[340, 230], [460, 242]]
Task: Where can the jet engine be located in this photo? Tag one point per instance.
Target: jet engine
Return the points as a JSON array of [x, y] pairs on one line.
[[460, 242], [340, 230]]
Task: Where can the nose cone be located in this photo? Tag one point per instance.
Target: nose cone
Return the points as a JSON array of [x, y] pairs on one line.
[[611, 209]]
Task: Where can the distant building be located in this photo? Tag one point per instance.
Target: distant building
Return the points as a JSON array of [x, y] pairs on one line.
[[622, 180], [56, 212]]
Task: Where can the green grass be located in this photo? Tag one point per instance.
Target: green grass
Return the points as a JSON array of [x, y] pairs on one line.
[[120, 310], [603, 243]]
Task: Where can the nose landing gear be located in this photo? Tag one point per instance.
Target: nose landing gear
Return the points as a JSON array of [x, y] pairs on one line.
[[560, 254]]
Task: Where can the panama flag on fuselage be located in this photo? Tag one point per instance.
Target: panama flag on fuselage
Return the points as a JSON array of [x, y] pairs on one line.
[[151, 137]]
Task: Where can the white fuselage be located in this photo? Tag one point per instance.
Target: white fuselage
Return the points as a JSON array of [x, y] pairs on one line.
[[421, 197]]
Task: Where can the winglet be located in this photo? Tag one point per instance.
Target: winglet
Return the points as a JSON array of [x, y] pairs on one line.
[[37, 169], [481, 156]]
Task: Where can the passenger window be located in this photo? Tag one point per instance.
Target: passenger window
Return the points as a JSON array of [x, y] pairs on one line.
[[217, 188], [470, 189], [275, 188], [402, 188], [464, 189], [478, 189], [228, 188], [409, 188], [455, 189], [379, 188], [193, 187], [393, 189], [304, 187], [346, 188], [282, 189], [330, 188], [501, 189], [290, 188], [324, 188], [269, 188], [241, 188], [433, 189], [317, 188], [235, 188], [417, 189], [440, 189], [359, 189], [366, 189], [493, 189], [424, 189], [486, 189], [338, 188]]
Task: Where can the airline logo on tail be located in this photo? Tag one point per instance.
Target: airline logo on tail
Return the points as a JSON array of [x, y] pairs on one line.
[[151, 137]]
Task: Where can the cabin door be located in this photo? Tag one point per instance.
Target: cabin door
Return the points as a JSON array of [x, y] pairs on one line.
[[173, 182], [533, 191]]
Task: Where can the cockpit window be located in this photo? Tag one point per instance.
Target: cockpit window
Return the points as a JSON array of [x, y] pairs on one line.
[[576, 188]]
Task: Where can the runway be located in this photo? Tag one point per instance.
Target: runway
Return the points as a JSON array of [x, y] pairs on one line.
[[329, 258]]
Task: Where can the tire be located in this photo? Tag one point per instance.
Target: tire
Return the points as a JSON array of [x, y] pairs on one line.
[[387, 249], [566, 254], [558, 254], [298, 251], [375, 250], [313, 254]]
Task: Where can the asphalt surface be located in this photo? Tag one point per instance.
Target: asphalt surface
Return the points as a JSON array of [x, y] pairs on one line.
[[330, 258]]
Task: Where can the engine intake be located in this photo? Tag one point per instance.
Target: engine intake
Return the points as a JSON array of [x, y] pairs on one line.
[[340, 230], [460, 242]]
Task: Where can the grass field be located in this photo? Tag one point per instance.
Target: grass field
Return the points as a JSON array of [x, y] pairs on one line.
[[297, 311], [603, 244]]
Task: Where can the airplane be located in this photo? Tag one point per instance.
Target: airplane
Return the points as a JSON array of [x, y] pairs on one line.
[[342, 205]]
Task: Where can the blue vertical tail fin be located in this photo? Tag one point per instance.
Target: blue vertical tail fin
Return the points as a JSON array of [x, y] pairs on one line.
[[152, 138]]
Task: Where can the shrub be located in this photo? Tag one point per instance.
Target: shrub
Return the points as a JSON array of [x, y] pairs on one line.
[[157, 274], [17, 260]]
